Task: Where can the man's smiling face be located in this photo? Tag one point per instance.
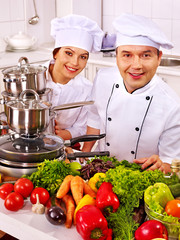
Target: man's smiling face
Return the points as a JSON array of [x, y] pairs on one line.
[[137, 65]]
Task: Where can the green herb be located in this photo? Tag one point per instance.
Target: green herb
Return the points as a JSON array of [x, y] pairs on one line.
[[50, 175], [122, 223], [129, 183]]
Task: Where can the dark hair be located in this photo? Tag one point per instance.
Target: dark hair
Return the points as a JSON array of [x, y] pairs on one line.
[[158, 52], [55, 51]]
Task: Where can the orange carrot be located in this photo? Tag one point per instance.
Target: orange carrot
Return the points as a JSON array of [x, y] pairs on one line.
[[70, 208], [88, 190], [65, 186], [77, 188]]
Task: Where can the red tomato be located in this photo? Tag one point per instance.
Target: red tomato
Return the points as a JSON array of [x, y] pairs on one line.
[[5, 189], [43, 195], [23, 186], [173, 208], [14, 201]]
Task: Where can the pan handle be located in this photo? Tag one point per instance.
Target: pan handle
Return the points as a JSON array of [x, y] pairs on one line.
[[73, 156], [71, 105], [83, 138]]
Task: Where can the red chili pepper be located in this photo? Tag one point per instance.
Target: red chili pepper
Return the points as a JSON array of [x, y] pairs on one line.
[[91, 224], [106, 200]]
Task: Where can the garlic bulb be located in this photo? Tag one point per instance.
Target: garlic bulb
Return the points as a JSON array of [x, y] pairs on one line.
[[38, 207]]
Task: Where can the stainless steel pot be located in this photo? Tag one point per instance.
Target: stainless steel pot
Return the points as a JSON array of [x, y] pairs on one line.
[[46, 96], [33, 116], [24, 76]]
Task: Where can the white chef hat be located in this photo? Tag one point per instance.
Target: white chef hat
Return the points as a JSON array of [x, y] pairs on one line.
[[77, 31], [139, 30]]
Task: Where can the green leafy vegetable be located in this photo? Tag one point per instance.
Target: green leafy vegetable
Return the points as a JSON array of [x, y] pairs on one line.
[[129, 183], [50, 175]]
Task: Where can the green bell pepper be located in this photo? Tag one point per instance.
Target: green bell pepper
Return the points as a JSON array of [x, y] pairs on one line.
[[158, 194]]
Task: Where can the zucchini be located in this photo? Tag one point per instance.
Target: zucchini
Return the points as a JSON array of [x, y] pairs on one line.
[[175, 189]]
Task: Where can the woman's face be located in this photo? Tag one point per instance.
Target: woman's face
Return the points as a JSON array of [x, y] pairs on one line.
[[70, 61]]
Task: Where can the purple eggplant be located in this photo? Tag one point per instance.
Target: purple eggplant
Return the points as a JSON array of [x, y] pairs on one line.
[[55, 215]]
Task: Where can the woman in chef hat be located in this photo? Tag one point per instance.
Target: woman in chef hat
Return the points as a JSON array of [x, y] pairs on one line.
[[75, 37]]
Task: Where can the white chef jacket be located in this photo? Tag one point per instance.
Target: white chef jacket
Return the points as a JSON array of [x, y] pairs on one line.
[[137, 125], [76, 90]]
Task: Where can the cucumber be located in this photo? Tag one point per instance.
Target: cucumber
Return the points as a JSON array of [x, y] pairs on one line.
[[175, 189]]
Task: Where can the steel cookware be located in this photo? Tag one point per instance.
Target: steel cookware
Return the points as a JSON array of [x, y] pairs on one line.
[[32, 116], [46, 96], [24, 76], [17, 169], [35, 19], [22, 149]]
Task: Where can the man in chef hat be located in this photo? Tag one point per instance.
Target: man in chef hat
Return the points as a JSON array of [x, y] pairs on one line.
[[75, 37], [139, 113]]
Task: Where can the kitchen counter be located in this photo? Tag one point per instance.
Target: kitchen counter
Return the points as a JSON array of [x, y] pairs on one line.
[[105, 60], [26, 225], [44, 52], [39, 54]]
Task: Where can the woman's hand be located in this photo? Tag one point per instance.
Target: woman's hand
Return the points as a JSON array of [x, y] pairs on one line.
[[63, 133], [152, 163]]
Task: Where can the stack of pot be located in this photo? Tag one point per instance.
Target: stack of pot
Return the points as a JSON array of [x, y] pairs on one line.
[[22, 77]]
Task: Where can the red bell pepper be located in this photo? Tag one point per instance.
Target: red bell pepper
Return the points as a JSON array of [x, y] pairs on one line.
[[91, 224], [110, 233], [106, 200]]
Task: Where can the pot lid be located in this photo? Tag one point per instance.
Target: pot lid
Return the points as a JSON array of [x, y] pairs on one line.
[[17, 148], [32, 104], [22, 103], [22, 70]]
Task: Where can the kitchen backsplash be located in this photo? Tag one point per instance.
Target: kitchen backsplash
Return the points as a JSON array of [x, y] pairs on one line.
[[14, 16], [166, 13]]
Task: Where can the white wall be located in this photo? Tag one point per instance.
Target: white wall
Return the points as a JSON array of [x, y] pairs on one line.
[[166, 13], [14, 15], [89, 8]]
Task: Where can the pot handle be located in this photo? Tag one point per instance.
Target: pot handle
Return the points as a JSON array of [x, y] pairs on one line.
[[71, 105], [73, 156], [83, 138], [29, 91], [21, 59]]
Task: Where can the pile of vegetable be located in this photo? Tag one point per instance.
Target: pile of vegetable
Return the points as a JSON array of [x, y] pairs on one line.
[[161, 205], [50, 174], [75, 193], [129, 183], [105, 191], [14, 195], [98, 165]]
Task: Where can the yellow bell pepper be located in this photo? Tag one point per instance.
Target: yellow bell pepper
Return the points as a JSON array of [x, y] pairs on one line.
[[92, 181], [86, 200]]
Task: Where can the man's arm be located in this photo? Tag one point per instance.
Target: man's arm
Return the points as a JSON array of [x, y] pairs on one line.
[[87, 146]]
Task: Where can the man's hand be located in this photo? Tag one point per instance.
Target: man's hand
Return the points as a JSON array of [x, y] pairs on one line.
[[152, 163]]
